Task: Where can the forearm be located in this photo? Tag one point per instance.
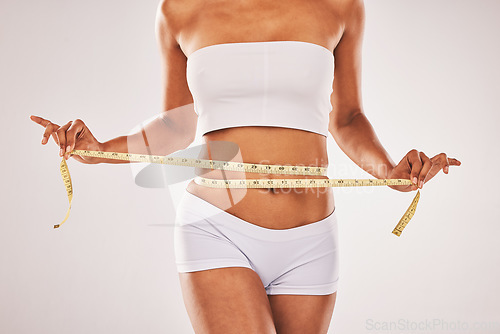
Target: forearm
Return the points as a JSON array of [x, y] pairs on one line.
[[162, 136], [118, 144], [358, 141]]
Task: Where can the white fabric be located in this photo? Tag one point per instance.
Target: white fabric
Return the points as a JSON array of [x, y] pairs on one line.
[[274, 83], [302, 260]]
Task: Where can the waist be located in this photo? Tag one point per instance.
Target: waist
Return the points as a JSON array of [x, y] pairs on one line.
[[270, 208], [263, 145]]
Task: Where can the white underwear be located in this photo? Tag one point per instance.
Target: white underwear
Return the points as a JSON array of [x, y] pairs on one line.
[[301, 261]]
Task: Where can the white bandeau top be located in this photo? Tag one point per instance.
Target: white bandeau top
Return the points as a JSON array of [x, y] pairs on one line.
[[273, 83]]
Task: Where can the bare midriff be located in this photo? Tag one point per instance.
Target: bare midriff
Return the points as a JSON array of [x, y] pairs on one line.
[[274, 208]]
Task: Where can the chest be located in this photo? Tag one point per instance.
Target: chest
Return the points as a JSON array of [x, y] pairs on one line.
[[205, 23]]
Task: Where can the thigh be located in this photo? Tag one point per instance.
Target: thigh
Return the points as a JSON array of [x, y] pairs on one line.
[[226, 300], [298, 314]]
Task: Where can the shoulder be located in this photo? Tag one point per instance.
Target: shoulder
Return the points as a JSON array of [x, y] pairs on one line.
[[355, 14], [172, 9], [170, 15], [351, 12], [176, 14]]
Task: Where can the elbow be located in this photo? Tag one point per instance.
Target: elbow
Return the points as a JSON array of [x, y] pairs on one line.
[[182, 123], [183, 135], [189, 139], [340, 120], [187, 131]]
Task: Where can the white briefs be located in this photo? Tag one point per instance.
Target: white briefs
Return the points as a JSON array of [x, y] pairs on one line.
[[301, 261]]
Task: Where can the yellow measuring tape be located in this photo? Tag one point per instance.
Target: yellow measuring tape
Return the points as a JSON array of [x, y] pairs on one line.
[[247, 183]]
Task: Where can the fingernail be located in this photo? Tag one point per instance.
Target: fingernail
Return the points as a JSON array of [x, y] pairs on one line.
[[446, 169], [415, 180], [67, 148], [43, 140], [61, 152], [421, 184]]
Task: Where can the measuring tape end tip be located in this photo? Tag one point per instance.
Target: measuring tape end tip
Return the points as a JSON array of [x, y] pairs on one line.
[[396, 233]]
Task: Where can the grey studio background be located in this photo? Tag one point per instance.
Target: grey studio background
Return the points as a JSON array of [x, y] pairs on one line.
[[430, 81]]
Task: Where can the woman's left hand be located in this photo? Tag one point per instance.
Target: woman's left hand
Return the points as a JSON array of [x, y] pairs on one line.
[[417, 167]]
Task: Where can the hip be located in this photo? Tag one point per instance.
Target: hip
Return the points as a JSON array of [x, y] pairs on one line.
[[278, 208]]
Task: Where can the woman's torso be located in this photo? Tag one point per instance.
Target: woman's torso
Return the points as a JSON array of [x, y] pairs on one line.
[[200, 23]]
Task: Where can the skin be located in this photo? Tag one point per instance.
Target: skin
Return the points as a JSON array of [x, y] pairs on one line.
[[233, 300]]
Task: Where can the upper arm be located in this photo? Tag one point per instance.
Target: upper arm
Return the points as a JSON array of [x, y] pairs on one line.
[[177, 100], [173, 61], [346, 98]]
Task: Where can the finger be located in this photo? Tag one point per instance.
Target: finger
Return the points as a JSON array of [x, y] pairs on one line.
[[445, 163], [61, 135], [454, 162], [426, 167], [49, 129], [416, 165], [54, 136], [74, 130], [440, 161], [39, 120], [451, 162]]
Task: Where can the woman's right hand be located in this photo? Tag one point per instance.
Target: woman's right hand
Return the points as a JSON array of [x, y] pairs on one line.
[[74, 135]]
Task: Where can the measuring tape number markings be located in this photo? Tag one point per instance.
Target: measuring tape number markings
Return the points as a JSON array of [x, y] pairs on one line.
[[246, 183]]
